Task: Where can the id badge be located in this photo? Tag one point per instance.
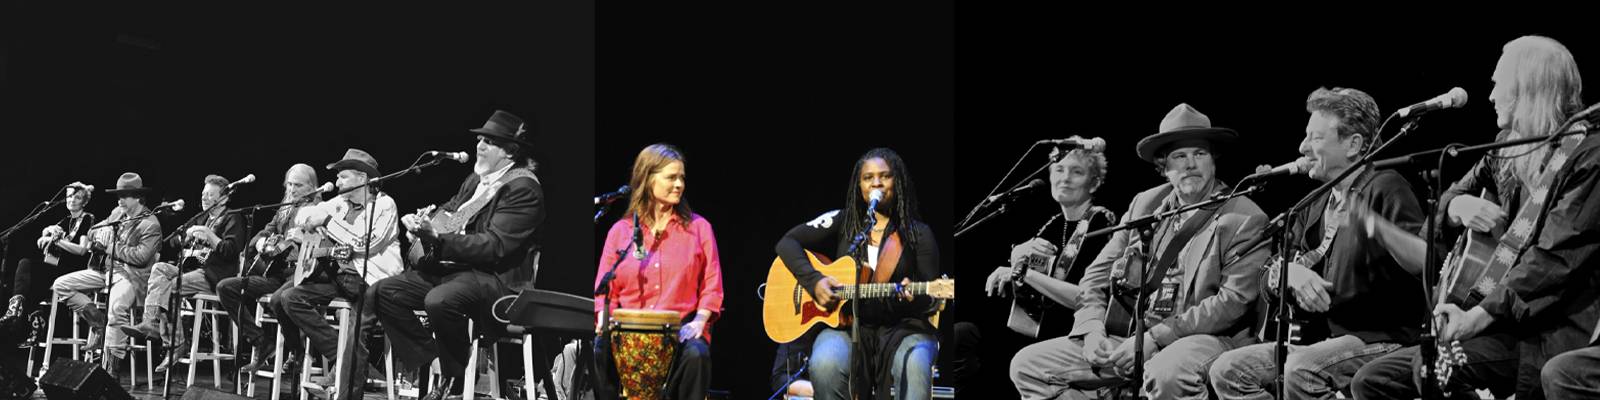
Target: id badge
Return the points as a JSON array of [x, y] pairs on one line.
[[1166, 298]]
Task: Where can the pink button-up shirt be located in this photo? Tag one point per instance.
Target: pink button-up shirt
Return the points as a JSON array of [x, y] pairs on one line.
[[680, 271]]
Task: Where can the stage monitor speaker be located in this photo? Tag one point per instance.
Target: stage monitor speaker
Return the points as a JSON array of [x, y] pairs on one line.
[[70, 379], [200, 393]]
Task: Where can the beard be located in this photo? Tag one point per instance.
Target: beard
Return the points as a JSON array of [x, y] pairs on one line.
[[483, 166]]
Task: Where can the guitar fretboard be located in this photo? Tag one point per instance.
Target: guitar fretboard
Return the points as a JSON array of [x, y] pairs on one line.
[[880, 290]]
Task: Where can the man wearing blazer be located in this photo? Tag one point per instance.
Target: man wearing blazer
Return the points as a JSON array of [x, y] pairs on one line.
[[460, 273], [1201, 275]]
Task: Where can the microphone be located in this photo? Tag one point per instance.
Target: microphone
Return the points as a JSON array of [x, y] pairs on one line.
[[457, 156], [1091, 144], [610, 197], [246, 179], [176, 205], [1297, 167], [1455, 98], [638, 239], [1033, 184]]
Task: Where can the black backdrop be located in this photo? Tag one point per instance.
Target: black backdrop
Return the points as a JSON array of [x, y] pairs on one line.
[[772, 108], [87, 93], [1118, 79]]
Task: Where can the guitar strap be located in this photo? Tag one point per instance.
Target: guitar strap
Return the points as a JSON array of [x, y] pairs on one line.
[[1530, 218], [1169, 255], [463, 214]]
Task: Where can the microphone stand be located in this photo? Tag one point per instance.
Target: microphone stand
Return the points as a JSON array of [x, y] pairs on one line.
[[174, 297], [855, 306], [604, 287], [963, 226], [34, 214]]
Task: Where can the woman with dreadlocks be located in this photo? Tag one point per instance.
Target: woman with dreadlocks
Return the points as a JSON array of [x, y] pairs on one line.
[[897, 344]]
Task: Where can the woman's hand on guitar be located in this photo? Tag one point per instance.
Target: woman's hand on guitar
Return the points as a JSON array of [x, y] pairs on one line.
[[1476, 213], [998, 282], [45, 242], [1309, 288], [824, 291], [1458, 324], [1035, 247]]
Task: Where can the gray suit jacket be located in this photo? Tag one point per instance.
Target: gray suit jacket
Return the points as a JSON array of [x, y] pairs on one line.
[[1221, 272]]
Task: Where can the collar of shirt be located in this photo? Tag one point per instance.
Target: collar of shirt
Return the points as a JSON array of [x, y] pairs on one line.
[[487, 180]]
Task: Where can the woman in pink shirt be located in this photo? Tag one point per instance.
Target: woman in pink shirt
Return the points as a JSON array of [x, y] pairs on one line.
[[675, 268]]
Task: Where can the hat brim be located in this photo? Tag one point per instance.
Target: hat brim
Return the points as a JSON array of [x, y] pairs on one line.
[[372, 172], [499, 136], [134, 190], [1218, 137]]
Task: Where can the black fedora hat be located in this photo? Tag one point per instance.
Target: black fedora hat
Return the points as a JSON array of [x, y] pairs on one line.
[[506, 126]]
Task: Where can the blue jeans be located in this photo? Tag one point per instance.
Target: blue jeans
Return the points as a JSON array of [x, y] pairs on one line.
[[1316, 371], [912, 368]]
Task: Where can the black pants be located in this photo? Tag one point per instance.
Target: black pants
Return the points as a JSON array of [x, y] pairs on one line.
[[1491, 364], [33, 280], [296, 307], [689, 379], [450, 301], [239, 294]]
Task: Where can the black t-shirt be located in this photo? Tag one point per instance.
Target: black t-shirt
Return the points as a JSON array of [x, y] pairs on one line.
[[76, 228], [1056, 320]]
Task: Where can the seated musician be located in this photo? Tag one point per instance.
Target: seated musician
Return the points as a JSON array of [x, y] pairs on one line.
[[1202, 274], [898, 343], [1545, 304], [364, 221], [499, 209], [213, 230], [64, 250], [129, 255], [677, 269], [1352, 295], [1074, 177], [239, 294]]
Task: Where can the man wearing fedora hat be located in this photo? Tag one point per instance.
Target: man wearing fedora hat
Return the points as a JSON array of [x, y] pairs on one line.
[[350, 220], [213, 229], [1202, 267], [135, 247], [460, 274]]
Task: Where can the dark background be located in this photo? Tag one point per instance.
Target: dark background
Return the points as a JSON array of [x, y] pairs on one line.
[[1053, 79], [771, 108], [176, 93]]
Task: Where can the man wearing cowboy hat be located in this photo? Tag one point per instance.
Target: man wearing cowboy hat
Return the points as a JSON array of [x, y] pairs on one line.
[[1203, 271], [462, 273], [364, 219], [213, 229], [136, 245]]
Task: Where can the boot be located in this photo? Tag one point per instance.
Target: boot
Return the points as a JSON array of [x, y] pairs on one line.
[[94, 316], [181, 351], [442, 389], [150, 328], [264, 358]]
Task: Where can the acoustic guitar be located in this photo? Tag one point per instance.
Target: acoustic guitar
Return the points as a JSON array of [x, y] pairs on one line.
[[789, 310]]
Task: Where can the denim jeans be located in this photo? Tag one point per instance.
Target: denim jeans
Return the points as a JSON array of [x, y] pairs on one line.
[[912, 368]]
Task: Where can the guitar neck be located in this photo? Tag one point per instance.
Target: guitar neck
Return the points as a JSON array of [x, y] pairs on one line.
[[880, 290]]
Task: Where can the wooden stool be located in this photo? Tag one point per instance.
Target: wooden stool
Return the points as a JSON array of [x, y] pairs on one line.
[[201, 307], [343, 322]]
